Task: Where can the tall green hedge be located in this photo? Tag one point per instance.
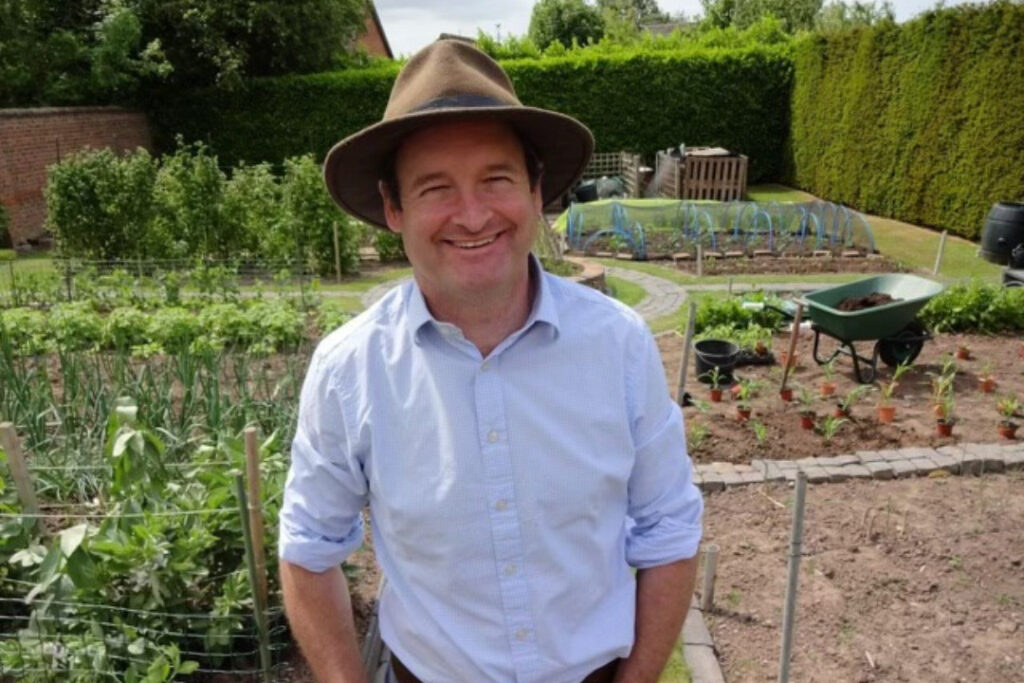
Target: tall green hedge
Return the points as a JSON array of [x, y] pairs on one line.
[[923, 121], [639, 101]]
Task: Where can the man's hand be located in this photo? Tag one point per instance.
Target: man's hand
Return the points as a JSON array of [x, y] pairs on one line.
[[320, 615], [662, 600]]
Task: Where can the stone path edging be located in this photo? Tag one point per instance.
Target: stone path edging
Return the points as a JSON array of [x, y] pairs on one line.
[[963, 458]]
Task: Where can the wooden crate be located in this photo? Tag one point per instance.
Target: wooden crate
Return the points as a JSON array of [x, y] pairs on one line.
[[624, 164], [720, 178]]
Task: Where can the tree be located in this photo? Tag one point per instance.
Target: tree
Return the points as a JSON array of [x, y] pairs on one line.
[[796, 15], [638, 12], [565, 21], [839, 14]]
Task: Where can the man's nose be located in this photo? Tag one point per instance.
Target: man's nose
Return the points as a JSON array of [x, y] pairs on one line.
[[473, 213]]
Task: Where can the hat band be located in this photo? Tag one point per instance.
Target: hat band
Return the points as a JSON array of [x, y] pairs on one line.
[[462, 102]]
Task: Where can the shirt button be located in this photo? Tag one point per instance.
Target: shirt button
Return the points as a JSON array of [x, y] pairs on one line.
[[510, 569], [522, 634], [501, 505], [485, 366], [492, 437]]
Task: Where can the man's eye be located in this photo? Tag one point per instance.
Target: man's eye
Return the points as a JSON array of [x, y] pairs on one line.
[[499, 178], [432, 188]]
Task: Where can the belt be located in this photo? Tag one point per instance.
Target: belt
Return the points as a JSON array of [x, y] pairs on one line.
[[604, 674]]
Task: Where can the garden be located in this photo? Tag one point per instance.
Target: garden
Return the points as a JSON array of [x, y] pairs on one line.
[[151, 361]]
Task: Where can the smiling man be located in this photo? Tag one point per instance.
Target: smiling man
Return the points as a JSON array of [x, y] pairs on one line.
[[510, 431]]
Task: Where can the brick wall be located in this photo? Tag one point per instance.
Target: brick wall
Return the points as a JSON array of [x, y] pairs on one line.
[[31, 139]]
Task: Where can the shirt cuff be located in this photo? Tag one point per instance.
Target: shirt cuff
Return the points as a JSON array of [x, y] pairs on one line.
[[668, 541], [318, 553]]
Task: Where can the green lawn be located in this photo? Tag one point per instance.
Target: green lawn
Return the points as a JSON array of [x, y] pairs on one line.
[[625, 291], [911, 245]]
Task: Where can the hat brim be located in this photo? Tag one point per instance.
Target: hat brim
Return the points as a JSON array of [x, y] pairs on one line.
[[353, 167]]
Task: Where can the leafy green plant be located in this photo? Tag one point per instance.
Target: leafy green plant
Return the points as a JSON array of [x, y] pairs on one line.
[[853, 396], [830, 427], [1007, 407], [714, 376], [760, 433], [887, 388], [698, 435]]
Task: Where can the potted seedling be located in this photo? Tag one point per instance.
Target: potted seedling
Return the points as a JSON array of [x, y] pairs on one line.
[[886, 410], [714, 376], [963, 351], [828, 384], [842, 408], [747, 389], [807, 414], [986, 382], [944, 424], [786, 394], [1008, 407]]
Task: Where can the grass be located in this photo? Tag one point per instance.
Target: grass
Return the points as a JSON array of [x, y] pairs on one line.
[[625, 291], [911, 245], [676, 670]]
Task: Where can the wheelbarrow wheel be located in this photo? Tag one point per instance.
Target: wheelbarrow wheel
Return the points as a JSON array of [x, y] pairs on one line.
[[903, 346]]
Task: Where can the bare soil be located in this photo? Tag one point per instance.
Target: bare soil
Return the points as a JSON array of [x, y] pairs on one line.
[[907, 580], [714, 433]]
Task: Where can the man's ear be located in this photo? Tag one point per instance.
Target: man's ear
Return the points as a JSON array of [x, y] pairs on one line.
[[537, 193], [392, 214]]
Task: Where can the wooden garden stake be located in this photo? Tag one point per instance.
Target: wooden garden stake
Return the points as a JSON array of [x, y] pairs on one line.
[[700, 261], [259, 606], [792, 344], [707, 591], [255, 509], [19, 472], [938, 254], [681, 381], [337, 253]]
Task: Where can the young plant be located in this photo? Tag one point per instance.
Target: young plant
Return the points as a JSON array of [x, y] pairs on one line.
[[830, 426], [760, 433], [852, 397], [828, 384], [714, 376], [887, 388], [1007, 406], [748, 389], [698, 435], [986, 381]]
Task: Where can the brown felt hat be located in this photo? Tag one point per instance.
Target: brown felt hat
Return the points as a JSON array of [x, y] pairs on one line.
[[451, 79]]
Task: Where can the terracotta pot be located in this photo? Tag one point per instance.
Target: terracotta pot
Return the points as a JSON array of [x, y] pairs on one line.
[[760, 349], [1020, 351], [839, 412], [807, 420], [715, 395], [784, 359], [944, 428], [828, 388], [743, 413], [987, 384], [886, 414], [1008, 430], [963, 353], [786, 394], [734, 391]]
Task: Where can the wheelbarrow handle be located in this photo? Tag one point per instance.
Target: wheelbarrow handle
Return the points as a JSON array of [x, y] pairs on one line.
[[788, 309]]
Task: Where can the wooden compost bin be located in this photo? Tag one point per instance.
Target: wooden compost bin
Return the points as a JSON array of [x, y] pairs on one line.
[[623, 164], [703, 173]]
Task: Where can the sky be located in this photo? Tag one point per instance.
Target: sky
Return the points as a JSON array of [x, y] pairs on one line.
[[411, 24]]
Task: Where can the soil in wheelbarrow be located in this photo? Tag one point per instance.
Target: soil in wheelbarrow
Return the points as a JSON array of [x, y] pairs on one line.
[[860, 303], [908, 580], [715, 434]]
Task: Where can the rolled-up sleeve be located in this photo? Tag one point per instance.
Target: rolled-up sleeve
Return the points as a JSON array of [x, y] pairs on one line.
[[664, 503], [320, 521]]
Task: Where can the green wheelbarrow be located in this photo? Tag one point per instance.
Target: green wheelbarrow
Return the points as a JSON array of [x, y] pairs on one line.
[[898, 336]]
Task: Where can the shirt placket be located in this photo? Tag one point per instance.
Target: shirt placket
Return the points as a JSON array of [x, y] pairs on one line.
[[503, 512]]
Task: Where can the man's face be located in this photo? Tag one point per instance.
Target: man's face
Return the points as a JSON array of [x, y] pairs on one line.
[[468, 215]]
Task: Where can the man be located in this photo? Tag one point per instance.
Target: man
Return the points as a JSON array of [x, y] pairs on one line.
[[510, 431]]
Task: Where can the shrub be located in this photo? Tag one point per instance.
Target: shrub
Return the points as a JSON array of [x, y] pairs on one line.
[[75, 326], [124, 328], [98, 204], [310, 214], [976, 307], [737, 98], [389, 246], [923, 121], [188, 202], [174, 329]]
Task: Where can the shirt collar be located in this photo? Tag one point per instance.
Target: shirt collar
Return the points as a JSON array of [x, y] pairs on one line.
[[543, 310]]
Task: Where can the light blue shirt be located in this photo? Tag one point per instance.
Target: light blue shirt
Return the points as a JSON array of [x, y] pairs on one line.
[[509, 496]]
